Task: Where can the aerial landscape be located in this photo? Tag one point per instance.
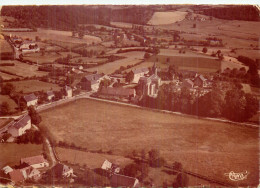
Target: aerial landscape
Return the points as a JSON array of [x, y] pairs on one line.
[[129, 95]]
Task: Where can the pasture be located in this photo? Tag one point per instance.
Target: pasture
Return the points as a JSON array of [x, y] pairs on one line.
[[30, 86], [164, 18], [12, 153], [22, 69], [202, 146]]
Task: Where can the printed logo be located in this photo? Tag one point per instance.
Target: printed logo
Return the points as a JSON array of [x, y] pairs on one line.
[[237, 176]]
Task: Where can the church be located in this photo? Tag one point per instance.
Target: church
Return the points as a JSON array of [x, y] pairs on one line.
[[149, 85]]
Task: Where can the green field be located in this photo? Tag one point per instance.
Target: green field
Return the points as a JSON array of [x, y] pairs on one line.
[[202, 146], [12, 153], [30, 86]]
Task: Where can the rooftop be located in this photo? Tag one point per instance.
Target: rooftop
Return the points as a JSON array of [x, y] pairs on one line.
[[30, 97], [33, 160]]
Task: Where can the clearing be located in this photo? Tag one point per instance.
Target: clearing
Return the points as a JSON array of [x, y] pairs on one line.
[[164, 18], [202, 146]]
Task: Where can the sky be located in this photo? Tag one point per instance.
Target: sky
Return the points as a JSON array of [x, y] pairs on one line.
[[121, 2]]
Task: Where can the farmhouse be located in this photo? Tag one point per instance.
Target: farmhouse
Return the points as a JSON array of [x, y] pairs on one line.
[[150, 85], [7, 169], [20, 125], [138, 73], [35, 161], [118, 180], [30, 173], [110, 167], [188, 84], [117, 92], [200, 81], [50, 95], [30, 99], [61, 170], [16, 176], [91, 82], [68, 91]]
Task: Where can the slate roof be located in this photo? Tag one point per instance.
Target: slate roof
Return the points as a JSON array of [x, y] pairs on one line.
[[30, 97], [21, 122], [118, 180], [202, 77], [16, 176], [33, 160], [50, 93]]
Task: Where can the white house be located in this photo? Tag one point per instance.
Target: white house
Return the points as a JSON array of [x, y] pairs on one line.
[[62, 170], [110, 167], [19, 126], [50, 95], [31, 173], [35, 161], [30, 99], [138, 73], [68, 91]]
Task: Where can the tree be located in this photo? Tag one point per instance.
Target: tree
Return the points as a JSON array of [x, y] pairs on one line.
[[37, 38], [129, 77], [4, 109], [35, 117], [177, 166], [7, 89], [154, 154], [204, 50], [181, 180], [146, 55], [81, 34], [194, 25]]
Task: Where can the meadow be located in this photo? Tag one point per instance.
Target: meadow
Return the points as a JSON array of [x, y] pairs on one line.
[[161, 18], [202, 146]]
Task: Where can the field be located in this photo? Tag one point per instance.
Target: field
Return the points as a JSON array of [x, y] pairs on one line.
[[30, 86], [54, 35], [12, 104], [161, 18], [5, 46], [121, 24], [109, 68], [91, 160], [11, 153], [22, 69], [202, 146], [7, 76]]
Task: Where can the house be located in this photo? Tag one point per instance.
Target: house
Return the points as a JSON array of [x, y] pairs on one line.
[[200, 81], [68, 91], [138, 73], [61, 170], [20, 125], [118, 180], [50, 95], [16, 176], [28, 45], [117, 92], [7, 169], [188, 84], [110, 167], [30, 99], [35, 161], [91, 82], [31, 173], [149, 85]]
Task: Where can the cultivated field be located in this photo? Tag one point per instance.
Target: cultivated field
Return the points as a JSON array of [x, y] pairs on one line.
[[12, 104], [109, 68], [30, 86], [22, 69], [202, 146], [54, 35], [6, 76], [162, 18], [12, 153]]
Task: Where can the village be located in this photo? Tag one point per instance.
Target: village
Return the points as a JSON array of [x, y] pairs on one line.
[[62, 90]]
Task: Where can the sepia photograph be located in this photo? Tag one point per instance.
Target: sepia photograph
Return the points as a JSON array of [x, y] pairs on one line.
[[129, 95]]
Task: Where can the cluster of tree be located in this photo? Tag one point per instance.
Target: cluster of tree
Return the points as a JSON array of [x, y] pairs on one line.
[[231, 103], [35, 116], [6, 64], [31, 136], [253, 69], [4, 108], [238, 12], [139, 170]]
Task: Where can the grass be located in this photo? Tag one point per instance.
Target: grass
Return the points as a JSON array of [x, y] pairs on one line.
[[202, 146], [109, 68], [91, 160], [22, 69], [12, 104], [55, 35], [161, 18], [30, 86], [11, 153], [5, 47], [6, 76]]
